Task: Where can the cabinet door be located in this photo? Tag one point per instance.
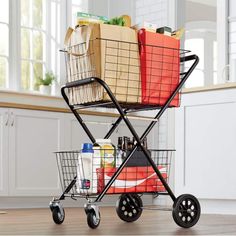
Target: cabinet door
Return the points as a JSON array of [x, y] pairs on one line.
[[4, 120], [75, 135], [139, 126], [34, 136], [99, 126], [205, 140]]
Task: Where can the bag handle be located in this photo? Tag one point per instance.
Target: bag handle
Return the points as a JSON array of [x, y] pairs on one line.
[[88, 34]]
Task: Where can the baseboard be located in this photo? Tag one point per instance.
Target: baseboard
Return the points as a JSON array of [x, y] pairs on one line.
[[43, 202], [224, 207], [208, 206]]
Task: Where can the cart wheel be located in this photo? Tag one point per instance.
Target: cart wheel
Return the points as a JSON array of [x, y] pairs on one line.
[[186, 211], [92, 220], [129, 207], [58, 215]]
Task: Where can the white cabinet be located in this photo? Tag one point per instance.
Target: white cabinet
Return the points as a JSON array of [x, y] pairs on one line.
[[140, 127], [3, 151], [30, 138], [75, 135], [205, 141], [99, 126]]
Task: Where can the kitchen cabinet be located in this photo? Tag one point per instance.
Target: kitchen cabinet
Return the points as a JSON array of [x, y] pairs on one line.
[[99, 126], [205, 142], [140, 127], [30, 138], [4, 116], [75, 135]]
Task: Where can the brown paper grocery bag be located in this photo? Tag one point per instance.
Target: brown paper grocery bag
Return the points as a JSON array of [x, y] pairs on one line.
[[122, 72], [108, 52], [83, 55]]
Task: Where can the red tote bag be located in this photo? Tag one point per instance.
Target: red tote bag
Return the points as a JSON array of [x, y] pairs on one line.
[[160, 67]]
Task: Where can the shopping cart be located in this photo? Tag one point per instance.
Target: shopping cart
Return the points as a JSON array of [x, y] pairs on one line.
[[116, 84]]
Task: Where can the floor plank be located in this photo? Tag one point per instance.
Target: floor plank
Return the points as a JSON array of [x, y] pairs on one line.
[[39, 222]]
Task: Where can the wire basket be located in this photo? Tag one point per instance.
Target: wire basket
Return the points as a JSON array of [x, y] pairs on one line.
[[137, 176], [137, 74]]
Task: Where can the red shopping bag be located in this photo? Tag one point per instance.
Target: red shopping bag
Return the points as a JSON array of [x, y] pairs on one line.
[[160, 67], [140, 179]]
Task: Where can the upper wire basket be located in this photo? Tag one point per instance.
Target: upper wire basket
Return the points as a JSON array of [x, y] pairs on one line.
[[138, 75]]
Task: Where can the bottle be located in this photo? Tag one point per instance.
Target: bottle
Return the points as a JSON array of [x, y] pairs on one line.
[[119, 152], [120, 143], [79, 174], [108, 152], [125, 144], [145, 143], [134, 141], [96, 166], [84, 170], [130, 145]]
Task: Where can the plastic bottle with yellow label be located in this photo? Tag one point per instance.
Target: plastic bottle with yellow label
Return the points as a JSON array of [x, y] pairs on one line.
[[108, 152]]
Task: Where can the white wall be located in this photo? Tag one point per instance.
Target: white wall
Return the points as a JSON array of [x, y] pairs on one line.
[[153, 11], [208, 13], [112, 8]]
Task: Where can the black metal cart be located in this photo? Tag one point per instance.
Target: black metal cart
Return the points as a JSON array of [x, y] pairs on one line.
[[186, 208]]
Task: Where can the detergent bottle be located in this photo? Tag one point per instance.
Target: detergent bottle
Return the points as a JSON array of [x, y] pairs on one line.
[[84, 170]]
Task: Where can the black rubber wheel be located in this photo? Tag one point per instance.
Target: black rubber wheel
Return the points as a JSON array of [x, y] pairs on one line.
[[92, 220], [129, 207], [57, 215], [186, 211]]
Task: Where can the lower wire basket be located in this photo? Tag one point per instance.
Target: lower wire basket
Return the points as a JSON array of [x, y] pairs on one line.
[[92, 173]]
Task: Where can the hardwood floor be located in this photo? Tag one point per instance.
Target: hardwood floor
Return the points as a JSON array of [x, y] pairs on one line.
[[39, 222]]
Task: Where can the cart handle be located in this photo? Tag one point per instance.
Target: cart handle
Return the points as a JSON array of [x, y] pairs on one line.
[[190, 58], [79, 82]]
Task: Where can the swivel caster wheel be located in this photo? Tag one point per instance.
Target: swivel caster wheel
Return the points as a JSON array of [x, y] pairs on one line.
[[129, 207], [58, 213], [186, 211], [92, 220], [93, 215]]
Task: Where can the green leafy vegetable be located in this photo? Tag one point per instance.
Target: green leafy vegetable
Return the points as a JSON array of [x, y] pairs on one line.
[[116, 21]]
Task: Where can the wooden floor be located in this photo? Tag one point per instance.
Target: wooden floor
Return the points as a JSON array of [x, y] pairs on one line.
[[39, 221]]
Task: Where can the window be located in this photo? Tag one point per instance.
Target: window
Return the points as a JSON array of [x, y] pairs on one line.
[[40, 40], [4, 43], [197, 77], [33, 42], [31, 38], [204, 44], [205, 22]]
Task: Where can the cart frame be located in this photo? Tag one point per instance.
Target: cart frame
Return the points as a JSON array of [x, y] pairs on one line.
[[122, 116], [186, 208]]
